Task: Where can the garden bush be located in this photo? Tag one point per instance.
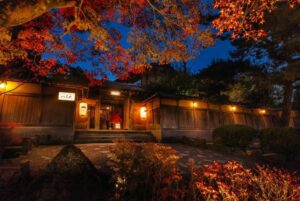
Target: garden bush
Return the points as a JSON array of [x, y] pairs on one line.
[[234, 135], [149, 172], [284, 141], [7, 137], [233, 182], [144, 171], [70, 176]]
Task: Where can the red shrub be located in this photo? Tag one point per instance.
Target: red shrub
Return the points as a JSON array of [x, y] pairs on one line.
[[145, 171], [232, 181]]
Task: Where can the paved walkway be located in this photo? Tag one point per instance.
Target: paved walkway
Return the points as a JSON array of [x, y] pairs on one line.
[[206, 156], [40, 157]]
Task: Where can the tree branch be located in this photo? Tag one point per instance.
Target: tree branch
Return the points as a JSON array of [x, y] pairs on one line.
[[16, 15]]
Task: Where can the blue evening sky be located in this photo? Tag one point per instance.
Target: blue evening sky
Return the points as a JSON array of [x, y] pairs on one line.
[[220, 50]]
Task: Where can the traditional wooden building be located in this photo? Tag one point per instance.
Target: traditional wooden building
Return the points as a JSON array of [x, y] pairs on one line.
[[58, 113]]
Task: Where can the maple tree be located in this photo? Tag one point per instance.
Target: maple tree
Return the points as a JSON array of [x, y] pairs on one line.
[[244, 17], [161, 31]]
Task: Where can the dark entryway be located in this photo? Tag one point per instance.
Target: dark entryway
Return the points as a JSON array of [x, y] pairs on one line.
[[111, 116]]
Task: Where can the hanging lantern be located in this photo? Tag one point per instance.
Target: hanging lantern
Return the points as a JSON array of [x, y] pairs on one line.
[[2, 85], [233, 108], [262, 111], [83, 108], [143, 113]]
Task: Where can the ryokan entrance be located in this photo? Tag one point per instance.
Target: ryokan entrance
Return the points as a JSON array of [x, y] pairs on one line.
[[111, 116]]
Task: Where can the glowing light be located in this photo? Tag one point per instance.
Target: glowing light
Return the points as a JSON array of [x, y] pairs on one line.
[[118, 125], [195, 104], [115, 93], [233, 108], [2, 84], [262, 111], [83, 107], [66, 96], [143, 113]]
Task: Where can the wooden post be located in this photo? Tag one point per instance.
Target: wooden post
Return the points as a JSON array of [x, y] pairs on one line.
[[208, 125], [126, 109], [1, 105], [97, 115], [177, 112]]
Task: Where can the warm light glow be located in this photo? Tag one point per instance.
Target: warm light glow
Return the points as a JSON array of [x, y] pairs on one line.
[[115, 93], [233, 108], [66, 96], [83, 107], [195, 104], [262, 111], [118, 125], [2, 85], [143, 113]]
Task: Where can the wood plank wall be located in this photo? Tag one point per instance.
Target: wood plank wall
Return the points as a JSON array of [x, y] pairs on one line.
[[182, 114], [36, 105]]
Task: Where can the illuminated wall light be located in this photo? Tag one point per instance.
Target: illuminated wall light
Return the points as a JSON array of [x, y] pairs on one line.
[[2, 84], [195, 104], [262, 111], [143, 113], [233, 108], [83, 108], [115, 93]]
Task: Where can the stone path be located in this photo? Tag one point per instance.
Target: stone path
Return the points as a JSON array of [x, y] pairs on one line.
[[41, 156], [206, 156]]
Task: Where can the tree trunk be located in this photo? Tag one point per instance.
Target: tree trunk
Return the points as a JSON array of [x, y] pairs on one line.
[[287, 103]]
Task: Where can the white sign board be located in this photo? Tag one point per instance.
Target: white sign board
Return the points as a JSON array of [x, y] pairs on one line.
[[66, 96]]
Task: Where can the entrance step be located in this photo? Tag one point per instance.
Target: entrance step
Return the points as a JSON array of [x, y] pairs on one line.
[[98, 136]]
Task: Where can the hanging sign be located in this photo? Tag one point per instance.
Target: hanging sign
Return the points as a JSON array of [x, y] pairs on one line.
[[66, 96]]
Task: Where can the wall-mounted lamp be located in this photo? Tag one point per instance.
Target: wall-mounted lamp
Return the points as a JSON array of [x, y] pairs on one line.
[[3, 85], [233, 108], [194, 104], [143, 113], [83, 108], [115, 93], [262, 111]]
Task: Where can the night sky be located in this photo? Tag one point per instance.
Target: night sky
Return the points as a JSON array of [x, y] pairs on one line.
[[220, 50]]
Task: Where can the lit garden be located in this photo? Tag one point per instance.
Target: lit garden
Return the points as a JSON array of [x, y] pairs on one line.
[[149, 100]]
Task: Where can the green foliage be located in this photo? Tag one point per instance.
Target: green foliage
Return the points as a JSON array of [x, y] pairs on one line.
[[234, 135], [296, 102], [222, 80], [144, 171], [169, 79], [281, 140]]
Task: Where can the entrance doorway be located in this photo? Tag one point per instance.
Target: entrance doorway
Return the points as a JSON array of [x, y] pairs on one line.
[[111, 116], [91, 111]]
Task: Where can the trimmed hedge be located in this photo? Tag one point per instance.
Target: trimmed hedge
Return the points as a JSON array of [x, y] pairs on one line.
[[234, 135], [284, 141]]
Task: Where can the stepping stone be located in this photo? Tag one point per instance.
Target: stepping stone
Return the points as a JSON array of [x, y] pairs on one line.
[[46, 157], [182, 165]]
